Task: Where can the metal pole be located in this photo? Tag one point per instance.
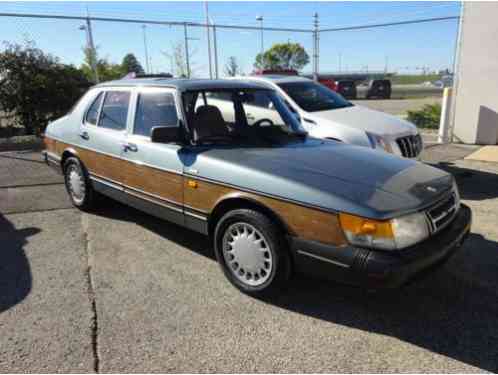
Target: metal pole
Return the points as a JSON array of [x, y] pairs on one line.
[[208, 40], [456, 64], [260, 19], [147, 66], [215, 53], [186, 49], [315, 47], [92, 48]]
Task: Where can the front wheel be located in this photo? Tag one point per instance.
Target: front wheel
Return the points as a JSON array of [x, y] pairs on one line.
[[250, 249]]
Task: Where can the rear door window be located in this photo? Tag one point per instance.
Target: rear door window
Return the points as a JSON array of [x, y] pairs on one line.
[[115, 110], [92, 114], [154, 109]]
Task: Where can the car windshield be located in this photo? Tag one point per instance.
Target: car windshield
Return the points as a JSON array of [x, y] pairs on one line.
[[313, 97], [235, 116]]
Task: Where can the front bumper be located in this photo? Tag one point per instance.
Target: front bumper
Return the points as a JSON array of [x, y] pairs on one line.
[[381, 269]]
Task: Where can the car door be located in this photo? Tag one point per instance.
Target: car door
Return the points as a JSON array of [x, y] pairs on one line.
[[153, 180], [102, 133]]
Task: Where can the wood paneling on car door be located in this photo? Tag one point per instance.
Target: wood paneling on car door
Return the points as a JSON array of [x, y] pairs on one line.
[[163, 184], [307, 223]]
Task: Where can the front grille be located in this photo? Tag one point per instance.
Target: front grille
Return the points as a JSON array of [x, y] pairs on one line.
[[410, 146], [443, 212]]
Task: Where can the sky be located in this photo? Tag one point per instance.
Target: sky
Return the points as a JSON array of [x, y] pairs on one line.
[[402, 49]]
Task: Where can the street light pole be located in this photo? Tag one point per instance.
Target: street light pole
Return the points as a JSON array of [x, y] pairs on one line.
[[208, 40], [186, 49], [145, 49], [215, 52], [316, 47], [91, 47], [260, 19]]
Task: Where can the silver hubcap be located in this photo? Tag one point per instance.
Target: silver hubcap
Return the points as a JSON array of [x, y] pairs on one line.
[[76, 183], [247, 254]]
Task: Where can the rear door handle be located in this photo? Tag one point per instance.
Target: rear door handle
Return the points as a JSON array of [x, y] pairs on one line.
[[84, 135], [129, 147]]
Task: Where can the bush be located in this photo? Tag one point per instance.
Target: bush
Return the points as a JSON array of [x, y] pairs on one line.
[[35, 87], [427, 117]]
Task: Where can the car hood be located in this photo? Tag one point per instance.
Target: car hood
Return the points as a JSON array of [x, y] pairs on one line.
[[362, 118], [326, 174]]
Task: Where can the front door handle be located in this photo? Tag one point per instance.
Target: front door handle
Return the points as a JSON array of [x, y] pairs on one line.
[[129, 147], [84, 135]]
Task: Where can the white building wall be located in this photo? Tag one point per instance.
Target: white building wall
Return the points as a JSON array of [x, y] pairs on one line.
[[476, 102]]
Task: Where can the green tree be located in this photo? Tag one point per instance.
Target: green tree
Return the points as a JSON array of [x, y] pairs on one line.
[[107, 71], [283, 56], [130, 64], [35, 87], [232, 68]]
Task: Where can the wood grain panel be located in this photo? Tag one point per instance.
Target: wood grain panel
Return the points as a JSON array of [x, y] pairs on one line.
[[50, 144], [307, 223], [164, 184]]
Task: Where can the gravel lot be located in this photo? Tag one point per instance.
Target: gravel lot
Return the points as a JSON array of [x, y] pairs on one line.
[[119, 291]]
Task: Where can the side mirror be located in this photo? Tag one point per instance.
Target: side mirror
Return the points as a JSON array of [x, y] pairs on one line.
[[165, 134]]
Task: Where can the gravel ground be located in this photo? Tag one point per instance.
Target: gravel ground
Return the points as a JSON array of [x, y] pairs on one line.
[[116, 290]]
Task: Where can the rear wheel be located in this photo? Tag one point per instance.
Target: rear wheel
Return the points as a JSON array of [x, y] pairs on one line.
[[78, 184], [250, 249]]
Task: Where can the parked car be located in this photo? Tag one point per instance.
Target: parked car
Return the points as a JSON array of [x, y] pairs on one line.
[[325, 114], [379, 88], [347, 88], [273, 200]]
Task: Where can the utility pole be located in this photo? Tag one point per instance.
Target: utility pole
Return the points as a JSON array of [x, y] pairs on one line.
[[186, 49], [215, 52], [340, 62], [91, 47], [260, 19], [386, 64], [147, 66], [208, 40], [316, 47]]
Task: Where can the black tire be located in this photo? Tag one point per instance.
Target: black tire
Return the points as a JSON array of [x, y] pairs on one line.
[[74, 165], [275, 240]]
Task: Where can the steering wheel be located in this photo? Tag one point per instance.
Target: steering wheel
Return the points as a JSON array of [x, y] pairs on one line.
[[258, 124]]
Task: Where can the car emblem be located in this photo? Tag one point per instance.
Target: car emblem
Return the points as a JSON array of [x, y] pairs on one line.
[[431, 189]]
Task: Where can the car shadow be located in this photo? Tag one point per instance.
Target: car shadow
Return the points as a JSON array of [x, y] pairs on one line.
[[15, 272], [473, 184], [452, 311]]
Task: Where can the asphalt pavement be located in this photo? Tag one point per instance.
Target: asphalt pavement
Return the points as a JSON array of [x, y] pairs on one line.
[[116, 290]]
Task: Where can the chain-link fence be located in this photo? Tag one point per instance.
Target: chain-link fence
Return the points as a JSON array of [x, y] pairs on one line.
[[181, 47]]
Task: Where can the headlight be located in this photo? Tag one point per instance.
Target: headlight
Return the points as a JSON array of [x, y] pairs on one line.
[[376, 141], [391, 234]]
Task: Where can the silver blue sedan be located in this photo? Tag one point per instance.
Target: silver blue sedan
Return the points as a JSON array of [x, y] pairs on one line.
[[273, 200]]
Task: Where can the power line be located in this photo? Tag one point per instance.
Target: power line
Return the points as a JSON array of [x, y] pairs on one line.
[[372, 26], [168, 23]]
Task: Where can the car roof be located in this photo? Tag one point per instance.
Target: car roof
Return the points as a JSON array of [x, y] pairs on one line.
[[184, 84], [276, 78]]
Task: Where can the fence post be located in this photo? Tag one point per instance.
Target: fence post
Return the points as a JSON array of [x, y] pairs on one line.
[[444, 122]]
